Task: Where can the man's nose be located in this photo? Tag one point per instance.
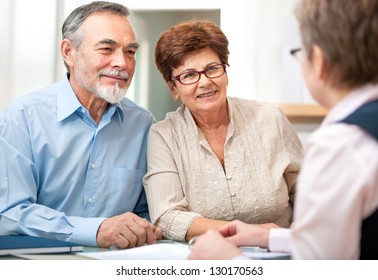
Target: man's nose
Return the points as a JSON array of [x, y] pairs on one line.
[[119, 60]]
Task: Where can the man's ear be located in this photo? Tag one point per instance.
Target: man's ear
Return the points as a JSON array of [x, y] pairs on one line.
[[67, 50], [171, 87], [319, 63]]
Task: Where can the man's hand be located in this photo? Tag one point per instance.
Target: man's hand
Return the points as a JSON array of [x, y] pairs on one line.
[[126, 231]]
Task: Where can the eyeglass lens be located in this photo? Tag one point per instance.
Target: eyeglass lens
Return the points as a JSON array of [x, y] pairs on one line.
[[192, 77]]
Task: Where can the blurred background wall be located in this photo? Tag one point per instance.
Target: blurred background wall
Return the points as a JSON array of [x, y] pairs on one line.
[[261, 34]]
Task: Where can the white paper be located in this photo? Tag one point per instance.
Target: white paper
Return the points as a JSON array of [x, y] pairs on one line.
[[172, 251], [159, 251]]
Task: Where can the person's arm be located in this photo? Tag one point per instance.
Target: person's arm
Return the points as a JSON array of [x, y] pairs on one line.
[[20, 211], [126, 231], [223, 244], [201, 225], [21, 207], [280, 240], [332, 198], [294, 151], [213, 246], [166, 196], [22, 214], [166, 199], [242, 234]]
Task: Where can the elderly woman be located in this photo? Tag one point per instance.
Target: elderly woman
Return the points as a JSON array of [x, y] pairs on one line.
[[216, 158]]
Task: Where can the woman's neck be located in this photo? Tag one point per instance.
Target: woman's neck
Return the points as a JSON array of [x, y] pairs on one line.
[[213, 120]]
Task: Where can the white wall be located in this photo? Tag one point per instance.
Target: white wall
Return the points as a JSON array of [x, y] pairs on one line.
[[28, 48], [6, 37]]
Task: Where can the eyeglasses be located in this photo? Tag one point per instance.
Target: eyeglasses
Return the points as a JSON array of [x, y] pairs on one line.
[[192, 76], [296, 53]]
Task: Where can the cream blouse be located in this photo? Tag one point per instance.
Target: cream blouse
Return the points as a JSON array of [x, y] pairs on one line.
[[185, 179]]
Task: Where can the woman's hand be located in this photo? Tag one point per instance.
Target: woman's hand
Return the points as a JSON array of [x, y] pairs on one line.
[[242, 234], [213, 246]]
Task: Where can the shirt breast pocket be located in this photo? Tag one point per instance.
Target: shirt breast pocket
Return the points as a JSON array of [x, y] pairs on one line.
[[126, 187]]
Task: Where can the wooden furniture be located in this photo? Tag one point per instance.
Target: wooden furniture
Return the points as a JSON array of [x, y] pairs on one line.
[[303, 113]]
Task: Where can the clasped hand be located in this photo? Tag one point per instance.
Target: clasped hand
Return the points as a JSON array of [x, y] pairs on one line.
[[223, 244], [127, 231]]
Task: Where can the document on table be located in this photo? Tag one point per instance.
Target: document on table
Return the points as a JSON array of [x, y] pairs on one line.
[[171, 251], [159, 251]]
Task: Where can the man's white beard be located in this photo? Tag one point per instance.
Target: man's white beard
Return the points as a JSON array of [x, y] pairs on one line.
[[111, 94]]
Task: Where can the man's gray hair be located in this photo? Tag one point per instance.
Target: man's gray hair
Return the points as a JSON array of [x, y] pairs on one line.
[[72, 24]]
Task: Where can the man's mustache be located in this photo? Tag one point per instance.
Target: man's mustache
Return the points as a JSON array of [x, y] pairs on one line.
[[115, 73]]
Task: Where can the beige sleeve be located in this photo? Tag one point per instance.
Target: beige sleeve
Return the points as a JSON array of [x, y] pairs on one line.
[[293, 147], [164, 190]]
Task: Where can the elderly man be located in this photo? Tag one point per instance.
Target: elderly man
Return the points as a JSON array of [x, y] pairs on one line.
[[75, 152]]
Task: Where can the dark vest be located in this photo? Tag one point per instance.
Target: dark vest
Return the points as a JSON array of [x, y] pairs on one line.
[[366, 117]]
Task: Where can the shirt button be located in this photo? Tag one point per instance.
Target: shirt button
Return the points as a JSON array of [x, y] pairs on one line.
[[83, 110], [228, 177], [93, 165], [90, 200], [233, 194]]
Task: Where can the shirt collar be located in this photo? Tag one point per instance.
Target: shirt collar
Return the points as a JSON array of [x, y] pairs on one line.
[[119, 109], [351, 102], [67, 102]]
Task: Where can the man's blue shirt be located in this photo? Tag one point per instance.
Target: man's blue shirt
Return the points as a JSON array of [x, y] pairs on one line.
[[61, 174]]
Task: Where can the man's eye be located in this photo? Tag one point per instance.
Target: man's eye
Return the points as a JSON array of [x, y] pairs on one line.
[[131, 52]]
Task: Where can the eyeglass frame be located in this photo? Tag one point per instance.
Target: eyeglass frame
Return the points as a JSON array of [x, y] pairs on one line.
[[177, 77], [295, 52]]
